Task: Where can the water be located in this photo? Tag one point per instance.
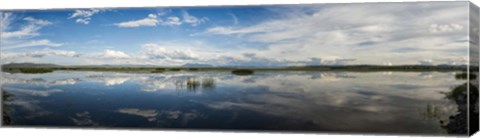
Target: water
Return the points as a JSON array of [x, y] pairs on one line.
[[372, 102]]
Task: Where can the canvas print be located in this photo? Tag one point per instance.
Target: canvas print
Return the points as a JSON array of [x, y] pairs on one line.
[[360, 68]]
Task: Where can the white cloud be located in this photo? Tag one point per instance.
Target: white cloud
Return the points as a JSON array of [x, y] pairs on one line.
[[151, 20], [24, 32], [5, 20], [43, 93], [234, 18], [23, 36], [292, 35], [229, 30], [150, 115], [172, 21], [42, 42], [60, 53], [83, 119], [115, 80], [164, 12], [83, 16], [12, 56], [194, 21], [65, 53], [114, 54], [159, 51], [37, 21], [355, 31], [154, 20], [16, 79], [84, 13], [83, 20], [438, 28]]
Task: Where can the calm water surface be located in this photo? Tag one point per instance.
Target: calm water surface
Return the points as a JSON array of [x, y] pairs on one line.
[[380, 102]]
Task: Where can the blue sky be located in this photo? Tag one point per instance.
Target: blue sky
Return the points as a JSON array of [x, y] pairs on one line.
[[282, 35]]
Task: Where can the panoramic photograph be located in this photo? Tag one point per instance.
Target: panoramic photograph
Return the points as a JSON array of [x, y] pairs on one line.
[[375, 68]]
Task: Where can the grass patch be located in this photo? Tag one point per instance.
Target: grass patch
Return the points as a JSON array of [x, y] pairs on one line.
[[35, 70], [243, 72], [464, 76], [175, 69], [158, 70]]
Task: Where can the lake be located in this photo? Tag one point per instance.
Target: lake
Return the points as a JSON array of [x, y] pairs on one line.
[[356, 102]]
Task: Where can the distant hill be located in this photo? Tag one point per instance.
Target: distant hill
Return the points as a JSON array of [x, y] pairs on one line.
[[114, 65], [196, 65], [29, 65]]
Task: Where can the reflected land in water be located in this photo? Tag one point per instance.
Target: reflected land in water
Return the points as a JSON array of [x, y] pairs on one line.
[[416, 102]]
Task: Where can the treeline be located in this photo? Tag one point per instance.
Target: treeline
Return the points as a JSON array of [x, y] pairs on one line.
[[237, 70]]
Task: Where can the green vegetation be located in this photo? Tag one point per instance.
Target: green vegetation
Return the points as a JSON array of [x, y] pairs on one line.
[[45, 68], [465, 97], [6, 96], [242, 72], [158, 70], [464, 76], [194, 83], [6, 120], [208, 83], [193, 69], [35, 70]]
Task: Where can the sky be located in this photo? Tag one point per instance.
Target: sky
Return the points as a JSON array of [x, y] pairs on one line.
[[427, 33]]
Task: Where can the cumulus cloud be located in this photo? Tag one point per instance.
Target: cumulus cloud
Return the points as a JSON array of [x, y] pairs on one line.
[[83, 16], [84, 13], [114, 54], [306, 31], [151, 20], [83, 20], [370, 33], [60, 53], [253, 60], [172, 21], [178, 53], [159, 51], [155, 20]]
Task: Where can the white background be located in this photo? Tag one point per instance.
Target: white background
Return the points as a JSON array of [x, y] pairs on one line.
[[87, 133]]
